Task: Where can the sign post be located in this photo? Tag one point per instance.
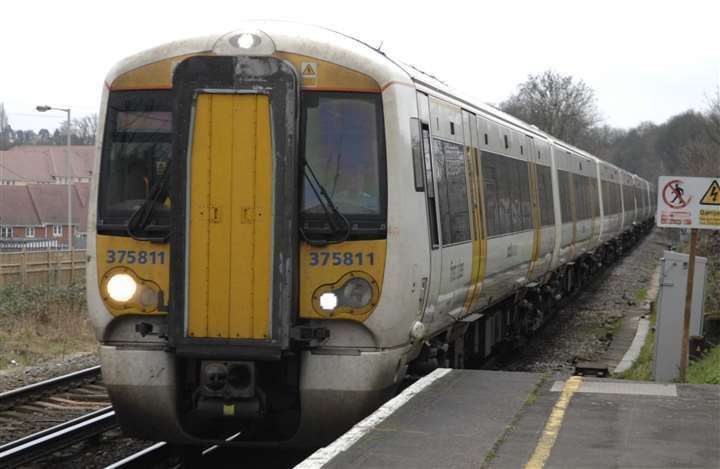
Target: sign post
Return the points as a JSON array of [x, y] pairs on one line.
[[694, 203], [688, 303]]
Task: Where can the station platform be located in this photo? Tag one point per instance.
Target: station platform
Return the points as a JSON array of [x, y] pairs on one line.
[[495, 419]]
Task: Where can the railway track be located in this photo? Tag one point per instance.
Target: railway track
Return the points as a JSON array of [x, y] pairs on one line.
[[38, 419]]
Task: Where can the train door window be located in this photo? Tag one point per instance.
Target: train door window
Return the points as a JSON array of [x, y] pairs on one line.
[[430, 185], [449, 160], [489, 170], [581, 202], [504, 194], [605, 197], [523, 183], [565, 204], [547, 211], [417, 157]]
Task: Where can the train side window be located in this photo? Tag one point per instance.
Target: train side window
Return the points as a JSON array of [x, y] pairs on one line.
[[430, 186], [417, 156], [449, 159]]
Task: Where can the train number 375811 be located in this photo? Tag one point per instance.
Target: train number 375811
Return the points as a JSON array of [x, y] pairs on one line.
[[322, 258], [122, 256]]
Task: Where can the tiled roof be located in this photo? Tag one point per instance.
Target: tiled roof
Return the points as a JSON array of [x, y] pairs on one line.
[[44, 163], [16, 207], [43, 204]]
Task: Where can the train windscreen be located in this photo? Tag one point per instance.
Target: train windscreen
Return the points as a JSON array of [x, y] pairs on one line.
[[135, 157], [343, 145]]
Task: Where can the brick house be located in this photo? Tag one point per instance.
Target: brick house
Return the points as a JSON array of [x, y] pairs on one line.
[[35, 215]]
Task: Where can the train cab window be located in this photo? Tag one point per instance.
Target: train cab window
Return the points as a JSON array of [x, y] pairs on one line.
[[136, 154], [343, 143]]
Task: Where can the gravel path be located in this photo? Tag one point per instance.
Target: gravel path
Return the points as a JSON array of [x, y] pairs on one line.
[[583, 330]]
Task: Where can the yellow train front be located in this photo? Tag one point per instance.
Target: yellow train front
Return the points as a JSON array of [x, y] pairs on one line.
[[238, 227]]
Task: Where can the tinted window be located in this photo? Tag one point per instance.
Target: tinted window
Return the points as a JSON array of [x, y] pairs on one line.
[[449, 159], [565, 201], [547, 211], [343, 138], [507, 194]]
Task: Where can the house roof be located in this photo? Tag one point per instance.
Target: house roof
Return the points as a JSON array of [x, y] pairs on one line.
[[43, 204], [45, 163]]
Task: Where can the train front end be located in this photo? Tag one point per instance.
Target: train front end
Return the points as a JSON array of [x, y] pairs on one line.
[[240, 224]]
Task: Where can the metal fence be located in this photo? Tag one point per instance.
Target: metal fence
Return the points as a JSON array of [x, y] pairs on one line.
[[30, 268]]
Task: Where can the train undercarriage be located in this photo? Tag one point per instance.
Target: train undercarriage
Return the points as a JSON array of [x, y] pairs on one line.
[[509, 323]]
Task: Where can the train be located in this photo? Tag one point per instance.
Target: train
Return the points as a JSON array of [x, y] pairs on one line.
[[285, 222]]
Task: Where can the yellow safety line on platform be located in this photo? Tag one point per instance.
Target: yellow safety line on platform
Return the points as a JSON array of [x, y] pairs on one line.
[[553, 424]]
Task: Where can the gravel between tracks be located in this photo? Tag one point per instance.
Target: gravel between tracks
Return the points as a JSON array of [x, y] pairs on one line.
[[11, 378], [583, 329]]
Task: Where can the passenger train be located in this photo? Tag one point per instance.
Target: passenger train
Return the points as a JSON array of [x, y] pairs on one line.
[[285, 222]]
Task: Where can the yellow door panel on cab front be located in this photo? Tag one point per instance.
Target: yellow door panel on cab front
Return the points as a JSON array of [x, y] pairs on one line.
[[230, 218]]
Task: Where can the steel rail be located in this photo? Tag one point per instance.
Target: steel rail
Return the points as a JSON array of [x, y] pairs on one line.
[[47, 385], [146, 457], [45, 442]]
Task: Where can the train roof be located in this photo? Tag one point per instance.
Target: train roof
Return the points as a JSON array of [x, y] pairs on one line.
[[335, 47]]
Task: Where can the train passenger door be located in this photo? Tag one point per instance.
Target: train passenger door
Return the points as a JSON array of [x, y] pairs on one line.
[[433, 287], [534, 197]]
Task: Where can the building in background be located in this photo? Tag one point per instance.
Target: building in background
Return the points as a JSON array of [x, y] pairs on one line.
[[34, 216], [45, 164]]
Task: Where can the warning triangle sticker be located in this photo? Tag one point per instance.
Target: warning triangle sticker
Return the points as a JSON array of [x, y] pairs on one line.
[[308, 70], [712, 195]]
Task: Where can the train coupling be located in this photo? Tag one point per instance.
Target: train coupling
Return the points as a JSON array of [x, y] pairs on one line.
[[228, 389]]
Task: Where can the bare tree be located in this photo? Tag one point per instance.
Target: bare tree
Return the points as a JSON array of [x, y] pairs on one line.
[[85, 129], [713, 117], [557, 104]]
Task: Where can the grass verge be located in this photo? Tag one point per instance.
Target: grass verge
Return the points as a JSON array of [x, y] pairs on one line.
[[43, 322], [706, 370]]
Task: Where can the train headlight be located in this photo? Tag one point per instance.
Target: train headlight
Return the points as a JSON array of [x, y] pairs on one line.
[[121, 287], [354, 293], [328, 301], [125, 291], [246, 40], [357, 293]]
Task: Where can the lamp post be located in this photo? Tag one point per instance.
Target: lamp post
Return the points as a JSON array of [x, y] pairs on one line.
[[67, 174]]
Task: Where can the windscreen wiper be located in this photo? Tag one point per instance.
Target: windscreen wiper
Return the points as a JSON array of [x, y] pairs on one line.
[[334, 217], [141, 217]]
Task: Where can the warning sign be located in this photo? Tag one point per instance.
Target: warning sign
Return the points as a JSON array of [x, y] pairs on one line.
[[686, 202], [308, 70], [712, 195]]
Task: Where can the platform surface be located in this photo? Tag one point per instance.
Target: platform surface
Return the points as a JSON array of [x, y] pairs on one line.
[[492, 419]]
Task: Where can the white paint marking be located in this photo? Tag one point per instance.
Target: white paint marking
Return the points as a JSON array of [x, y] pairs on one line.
[[324, 455], [633, 352], [618, 387]]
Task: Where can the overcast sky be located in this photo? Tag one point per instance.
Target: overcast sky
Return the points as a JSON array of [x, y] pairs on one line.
[[646, 60]]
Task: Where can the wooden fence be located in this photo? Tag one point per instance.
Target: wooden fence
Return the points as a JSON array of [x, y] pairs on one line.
[[29, 268]]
